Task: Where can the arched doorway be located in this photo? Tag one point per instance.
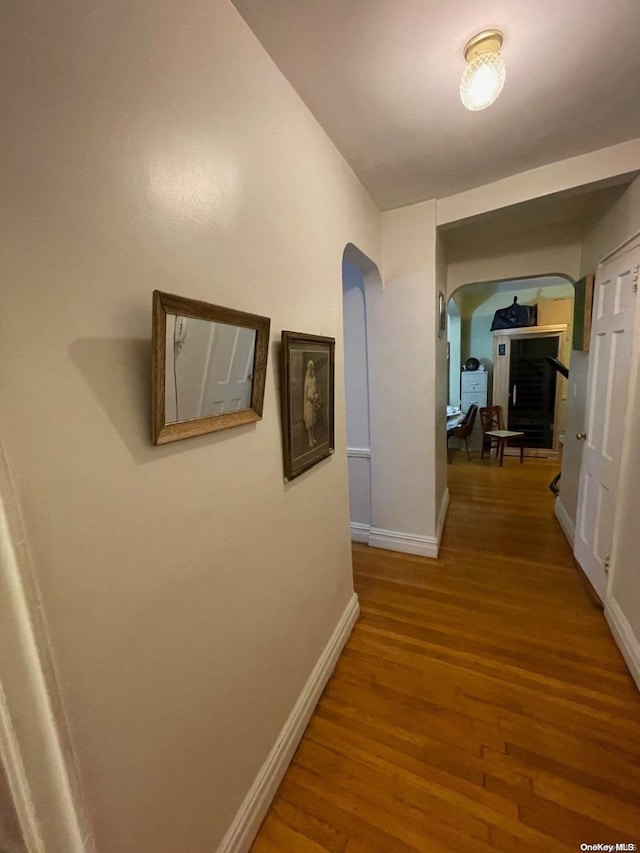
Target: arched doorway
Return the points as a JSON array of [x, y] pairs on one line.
[[471, 311], [358, 273]]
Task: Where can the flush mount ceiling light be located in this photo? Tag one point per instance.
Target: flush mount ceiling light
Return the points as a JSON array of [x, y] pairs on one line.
[[483, 78]]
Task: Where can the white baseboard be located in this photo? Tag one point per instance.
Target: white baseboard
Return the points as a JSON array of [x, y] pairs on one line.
[[408, 543], [624, 636], [360, 532], [251, 813], [393, 540], [565, 521]]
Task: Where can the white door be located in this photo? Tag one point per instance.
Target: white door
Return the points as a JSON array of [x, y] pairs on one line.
[[229, 376], [614, 309], [209, 368]]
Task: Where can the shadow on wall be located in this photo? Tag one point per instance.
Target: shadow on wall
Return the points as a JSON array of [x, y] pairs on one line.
[[118, 372]]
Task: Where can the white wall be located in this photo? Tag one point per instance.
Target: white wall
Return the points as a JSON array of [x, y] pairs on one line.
[[404, 400], [594, 170], [493, 253], [187, 591], [611, 230]]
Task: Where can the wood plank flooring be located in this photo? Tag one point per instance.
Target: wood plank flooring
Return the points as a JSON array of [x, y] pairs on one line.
[[480, 703]]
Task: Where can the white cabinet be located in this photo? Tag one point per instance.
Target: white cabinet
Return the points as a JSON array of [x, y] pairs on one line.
[[473, 389]]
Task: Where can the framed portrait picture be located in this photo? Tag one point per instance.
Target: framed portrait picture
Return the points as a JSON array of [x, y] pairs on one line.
[[307, 393]]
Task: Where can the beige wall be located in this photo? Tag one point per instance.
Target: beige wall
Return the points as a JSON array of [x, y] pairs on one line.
[[618, 224], [492, 252], [401, 318], [187, 591], [593, 170]]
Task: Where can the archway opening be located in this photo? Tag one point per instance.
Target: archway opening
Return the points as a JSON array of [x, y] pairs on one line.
[[358, 274], [514, 375]]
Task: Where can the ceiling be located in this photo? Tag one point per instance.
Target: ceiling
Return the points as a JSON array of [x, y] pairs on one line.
[[382, 78]]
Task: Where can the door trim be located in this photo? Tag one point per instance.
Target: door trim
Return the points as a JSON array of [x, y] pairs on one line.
[[34, 746]]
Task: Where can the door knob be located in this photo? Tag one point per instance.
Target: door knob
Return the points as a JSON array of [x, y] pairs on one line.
[[581, 436]]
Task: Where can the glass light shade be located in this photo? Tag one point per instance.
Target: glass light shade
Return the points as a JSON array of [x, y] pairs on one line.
[[482, 81]]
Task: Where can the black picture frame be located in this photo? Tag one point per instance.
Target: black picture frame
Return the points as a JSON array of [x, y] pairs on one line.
[[307, 377]]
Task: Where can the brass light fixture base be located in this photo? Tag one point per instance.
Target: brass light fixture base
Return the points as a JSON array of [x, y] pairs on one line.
[[486, 41]]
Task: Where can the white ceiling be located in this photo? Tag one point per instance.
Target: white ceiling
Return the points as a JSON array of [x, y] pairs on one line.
[[382, 78]]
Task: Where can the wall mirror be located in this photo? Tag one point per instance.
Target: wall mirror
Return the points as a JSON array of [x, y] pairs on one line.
[[209, 367]]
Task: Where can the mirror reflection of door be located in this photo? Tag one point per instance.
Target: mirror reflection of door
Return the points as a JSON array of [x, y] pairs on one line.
[[532, 390], [208, 369]]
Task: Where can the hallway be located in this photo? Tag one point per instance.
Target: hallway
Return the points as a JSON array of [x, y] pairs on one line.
[[480, 703]]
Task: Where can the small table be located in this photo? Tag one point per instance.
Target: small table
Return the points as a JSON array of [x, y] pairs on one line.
[[502, 436]]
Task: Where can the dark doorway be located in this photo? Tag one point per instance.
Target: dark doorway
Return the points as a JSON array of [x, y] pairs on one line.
[[532, 390]]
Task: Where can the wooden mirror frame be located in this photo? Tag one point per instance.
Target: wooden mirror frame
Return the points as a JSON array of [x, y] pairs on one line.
[[168, 303]]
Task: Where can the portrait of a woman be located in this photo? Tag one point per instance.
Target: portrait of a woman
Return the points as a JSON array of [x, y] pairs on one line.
[[311, 402]]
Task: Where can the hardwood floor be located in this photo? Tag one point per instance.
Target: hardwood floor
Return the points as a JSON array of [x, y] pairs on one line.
[[480, 703]]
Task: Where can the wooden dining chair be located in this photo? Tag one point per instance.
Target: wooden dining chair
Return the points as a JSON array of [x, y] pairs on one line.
[[495, 435], [463, 430]]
